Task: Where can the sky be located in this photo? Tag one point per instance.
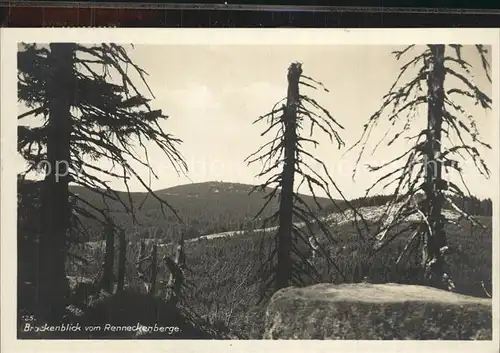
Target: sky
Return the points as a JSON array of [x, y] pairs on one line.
[[212, 95]]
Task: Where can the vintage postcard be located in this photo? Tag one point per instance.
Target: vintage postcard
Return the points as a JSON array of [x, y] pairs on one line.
[[309, 189]]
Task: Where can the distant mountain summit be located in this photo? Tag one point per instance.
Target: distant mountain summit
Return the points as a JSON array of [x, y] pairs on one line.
[[207, 188]]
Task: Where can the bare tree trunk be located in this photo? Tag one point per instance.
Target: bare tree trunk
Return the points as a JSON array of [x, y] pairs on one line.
[[53, 286], [138, 265], [109, 259], [176, 279], [435, 240], [122, 258], [154, 267], [284, 239]]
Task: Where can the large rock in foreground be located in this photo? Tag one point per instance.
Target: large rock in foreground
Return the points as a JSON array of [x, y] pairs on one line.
[[376, 311]]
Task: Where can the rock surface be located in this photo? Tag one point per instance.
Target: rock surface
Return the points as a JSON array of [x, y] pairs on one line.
[[376, 311]]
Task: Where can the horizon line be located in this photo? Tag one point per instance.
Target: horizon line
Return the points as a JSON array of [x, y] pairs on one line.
[[246, 184]]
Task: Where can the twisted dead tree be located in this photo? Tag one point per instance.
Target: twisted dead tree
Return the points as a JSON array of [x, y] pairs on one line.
[[147, 265], [85, 120], [142, 272], [177, 268], [108, 277], [122, 259], [450, 134], [286, 160]]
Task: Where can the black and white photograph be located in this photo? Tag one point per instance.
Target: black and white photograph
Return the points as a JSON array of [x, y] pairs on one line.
[[225, 190]]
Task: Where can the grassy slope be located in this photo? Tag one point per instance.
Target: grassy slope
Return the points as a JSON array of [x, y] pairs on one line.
[[224, 271]]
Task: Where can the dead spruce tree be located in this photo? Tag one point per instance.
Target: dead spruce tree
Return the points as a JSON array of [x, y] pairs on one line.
[[122, 259], [285, 160], [177, 268], [450, 133], [85, 119], [147, 265], [107, 279], [142, 273]]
